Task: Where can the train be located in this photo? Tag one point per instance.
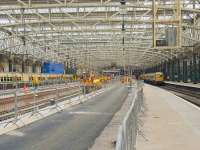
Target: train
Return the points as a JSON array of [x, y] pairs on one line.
[[156, 78], [7, 80]]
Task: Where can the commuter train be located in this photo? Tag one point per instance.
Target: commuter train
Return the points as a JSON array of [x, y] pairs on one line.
[[7, 80], [156, 78]]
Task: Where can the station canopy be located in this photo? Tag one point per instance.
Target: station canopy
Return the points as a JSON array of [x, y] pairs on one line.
[[97, 33]]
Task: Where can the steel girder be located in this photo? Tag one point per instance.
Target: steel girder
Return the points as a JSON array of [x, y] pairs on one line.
[[63, 30]]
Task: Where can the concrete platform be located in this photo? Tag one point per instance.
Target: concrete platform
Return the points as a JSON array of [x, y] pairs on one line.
[[168, 122], [184, 84]]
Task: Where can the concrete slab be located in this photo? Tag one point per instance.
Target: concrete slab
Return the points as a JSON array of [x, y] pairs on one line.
[[169, 122]]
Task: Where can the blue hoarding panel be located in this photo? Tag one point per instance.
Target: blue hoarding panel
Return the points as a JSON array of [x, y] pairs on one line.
[[52, 68]]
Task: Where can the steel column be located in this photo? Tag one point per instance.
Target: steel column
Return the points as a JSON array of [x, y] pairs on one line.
[[172, 70], [194, 68], [190, 68], [165, 70], [178, 70], [23, 66], [199, 70], [168, 70], [10, 65], [33, 68], [185, 71]]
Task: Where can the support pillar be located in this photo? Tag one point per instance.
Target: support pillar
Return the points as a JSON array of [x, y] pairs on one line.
[[34, 67], [23, 66], [199, 70], [191, 76], [168, 70], [165, 70], [161, 67], [185, 72], [194, 69], [178, 71], [172, 70], [10, 66], [157, 68]]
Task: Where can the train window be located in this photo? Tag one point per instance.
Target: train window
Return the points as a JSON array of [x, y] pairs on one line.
[[5, 79], [2, 79]]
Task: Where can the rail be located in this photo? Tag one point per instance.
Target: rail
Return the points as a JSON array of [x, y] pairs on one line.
[[127, 132], [17, 102], [191, 94], [4, 86]]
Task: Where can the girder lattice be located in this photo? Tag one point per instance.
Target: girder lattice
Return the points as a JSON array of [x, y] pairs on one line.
[[89, 32]]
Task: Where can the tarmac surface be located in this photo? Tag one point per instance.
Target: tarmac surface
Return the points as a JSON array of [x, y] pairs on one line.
[[75, 128]]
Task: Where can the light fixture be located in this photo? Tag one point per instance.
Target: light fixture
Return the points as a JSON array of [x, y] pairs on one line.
[[123, 9]]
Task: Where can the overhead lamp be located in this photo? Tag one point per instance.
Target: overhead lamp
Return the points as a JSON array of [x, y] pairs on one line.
[[123, 9], [123, 2]]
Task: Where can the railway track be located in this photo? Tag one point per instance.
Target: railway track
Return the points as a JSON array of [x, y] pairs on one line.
[[190, 94], [27, 103]]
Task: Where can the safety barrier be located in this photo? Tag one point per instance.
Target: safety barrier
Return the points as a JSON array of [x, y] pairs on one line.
[[17, 102], [127, 133], [14, 103], [11, 84]]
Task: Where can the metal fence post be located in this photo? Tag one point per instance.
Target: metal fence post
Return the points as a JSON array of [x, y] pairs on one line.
[[35, 100], [16, 103], [84, 90], [35, 106], [79, 96], [57, 98], [57, 92]]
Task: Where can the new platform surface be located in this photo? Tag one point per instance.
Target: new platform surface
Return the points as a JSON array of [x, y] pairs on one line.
[[168, 122]]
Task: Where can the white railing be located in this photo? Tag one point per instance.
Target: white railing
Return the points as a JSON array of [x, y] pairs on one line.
[[127, 133]]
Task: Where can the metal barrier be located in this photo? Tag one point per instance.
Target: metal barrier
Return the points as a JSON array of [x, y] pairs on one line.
[[11, 84], [127, 133], [16, 102]]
